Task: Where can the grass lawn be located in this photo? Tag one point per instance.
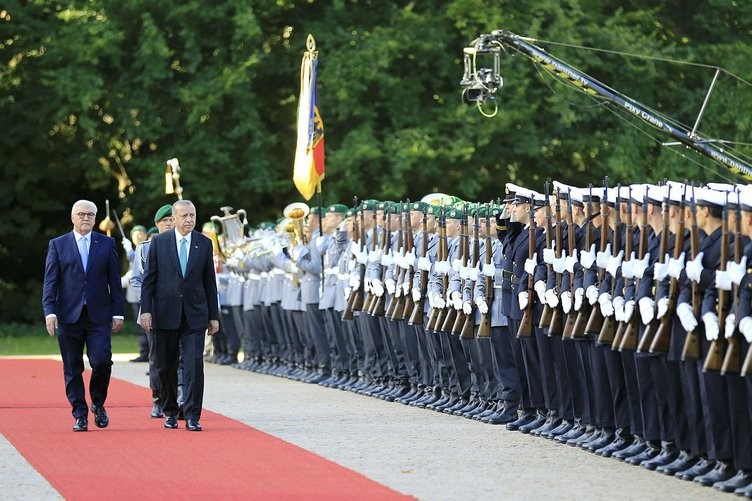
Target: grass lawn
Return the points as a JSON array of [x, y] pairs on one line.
[[33, 340]]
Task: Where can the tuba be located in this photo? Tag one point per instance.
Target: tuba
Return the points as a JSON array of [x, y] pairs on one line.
[[296, 213]]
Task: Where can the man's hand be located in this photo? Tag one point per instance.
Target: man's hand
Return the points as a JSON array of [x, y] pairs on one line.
[[213, 327], [145, 321], [117, 323], [51, 325]]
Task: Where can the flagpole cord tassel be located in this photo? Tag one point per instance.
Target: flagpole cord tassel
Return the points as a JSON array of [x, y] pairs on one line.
[[311, 44]]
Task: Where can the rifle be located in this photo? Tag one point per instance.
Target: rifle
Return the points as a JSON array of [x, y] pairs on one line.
[[555, 327], [396, 303], [595, 322], [369, 298], [436, 315], [484, 328], [407, 309], [526, 324], [378, 303], [416, 316], [545, 319], [571, 249], [714, 358], [632, 330], [355, 299], [662, 337], [578, 331], [629, 237], [467, 327], [608, 331], [732, 359], [452, 315], [649, 333], [691, 350]]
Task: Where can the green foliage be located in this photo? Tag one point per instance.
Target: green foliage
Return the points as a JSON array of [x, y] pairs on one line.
[[95, 96]]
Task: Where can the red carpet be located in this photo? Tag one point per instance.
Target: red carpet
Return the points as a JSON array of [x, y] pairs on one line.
[[136, 457]]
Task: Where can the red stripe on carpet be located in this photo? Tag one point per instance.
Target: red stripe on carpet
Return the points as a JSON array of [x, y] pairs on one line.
[[136, 456]]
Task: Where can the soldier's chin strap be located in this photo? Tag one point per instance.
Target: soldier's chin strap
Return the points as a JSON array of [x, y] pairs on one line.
[[591, 217]]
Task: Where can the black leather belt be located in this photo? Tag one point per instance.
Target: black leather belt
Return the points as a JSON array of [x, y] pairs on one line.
[[508, 275]]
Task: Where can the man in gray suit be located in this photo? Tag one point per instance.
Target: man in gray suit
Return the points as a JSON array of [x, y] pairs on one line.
[[179, 300]]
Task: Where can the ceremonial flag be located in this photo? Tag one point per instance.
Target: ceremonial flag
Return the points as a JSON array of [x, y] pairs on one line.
[[309, 152]]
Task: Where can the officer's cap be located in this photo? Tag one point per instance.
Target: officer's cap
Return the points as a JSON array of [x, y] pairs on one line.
[[337, 209], [152, 231], [163, 212], [511, 190], [712, 198], [137, 228], [369, 204]]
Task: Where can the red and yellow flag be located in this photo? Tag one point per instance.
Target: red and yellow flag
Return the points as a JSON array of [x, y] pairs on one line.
[[308, 171]]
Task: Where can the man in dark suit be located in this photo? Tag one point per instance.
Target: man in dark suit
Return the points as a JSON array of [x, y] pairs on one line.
[[179, 301], [83, 303]]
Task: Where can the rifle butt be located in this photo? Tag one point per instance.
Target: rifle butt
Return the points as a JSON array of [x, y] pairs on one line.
[[621, 327], [594, 323], [691, 349], [607, 332], [484, 328], [416, 316], [569, 326], [556, 325], [459, 322], [647, 336], [408, 307], [714, 358], [433, 319], [357, 301], [526, 325], [662, 337], [450, 315], [631, 333], [468, 327], [747, 365], [379, 306], [578, 331], [545, 319], [391, 306], [732, 361]]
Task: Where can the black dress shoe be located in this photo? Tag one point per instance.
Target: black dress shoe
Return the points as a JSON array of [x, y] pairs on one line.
[[702, 467], [171, 422], [742, 479], [619, 443], [156, 410], [637, 446], [140, 358], [101, 419], [562, 429], [649, 453], [505, 416], [523, 419], [573, 434], [537, 422], [722, 472], [683, 462], [192, 425], [588, 434], [607, 436], [668, 454], [81, 424]]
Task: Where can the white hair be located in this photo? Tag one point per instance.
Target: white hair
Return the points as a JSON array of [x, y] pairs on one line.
[[89, 204]]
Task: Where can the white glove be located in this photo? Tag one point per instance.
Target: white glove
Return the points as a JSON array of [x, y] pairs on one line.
[[604, 300], [320, 242], [456, 265], [127, 245], [592, 294], [737, 270], [627, 267], [467, 308], [618, 304], [397, 289], [540, 289], [550, 254], [377, 287], [560, 264], [694, 267], [472, 274], [407, 260], [660, 270], [424, 264], [712, 328], [640, 265], [551, 298], [601, 258], [579, 294], [387, 259], [438, 301], [355, 248], [354, 281], [416, 295], [587, 258], [405, 287], [647, 307], [566, 302], [390, 285], [570, 261], [662, 307], [456, 300], [730, 326], [442, 267], [628, 310], [614, 262], [723, 280], [351, 265], [686, 316], [464, 272], [675, 266], [522, 298], [489, 270], [480, 302], [745, 327], [362, 257], [530, 264], [375, 256]]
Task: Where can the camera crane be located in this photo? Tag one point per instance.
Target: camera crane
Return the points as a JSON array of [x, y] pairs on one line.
[[480, 85]]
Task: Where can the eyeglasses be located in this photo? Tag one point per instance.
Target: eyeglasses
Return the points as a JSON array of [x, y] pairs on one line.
[[86, 215]]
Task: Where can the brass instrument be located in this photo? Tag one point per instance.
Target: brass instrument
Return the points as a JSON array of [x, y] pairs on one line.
[[232, 230], [172, 178], [297, 212]]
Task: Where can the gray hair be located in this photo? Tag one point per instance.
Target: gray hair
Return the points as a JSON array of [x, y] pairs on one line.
[[89, 204], [182, 202]]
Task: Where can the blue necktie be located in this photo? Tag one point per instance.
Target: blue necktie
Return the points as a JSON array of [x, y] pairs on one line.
[[183, 254], [84, 250]]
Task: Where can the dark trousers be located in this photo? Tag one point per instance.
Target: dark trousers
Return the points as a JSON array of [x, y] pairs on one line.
[[95, 337], [510, 389], [168, 355]]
